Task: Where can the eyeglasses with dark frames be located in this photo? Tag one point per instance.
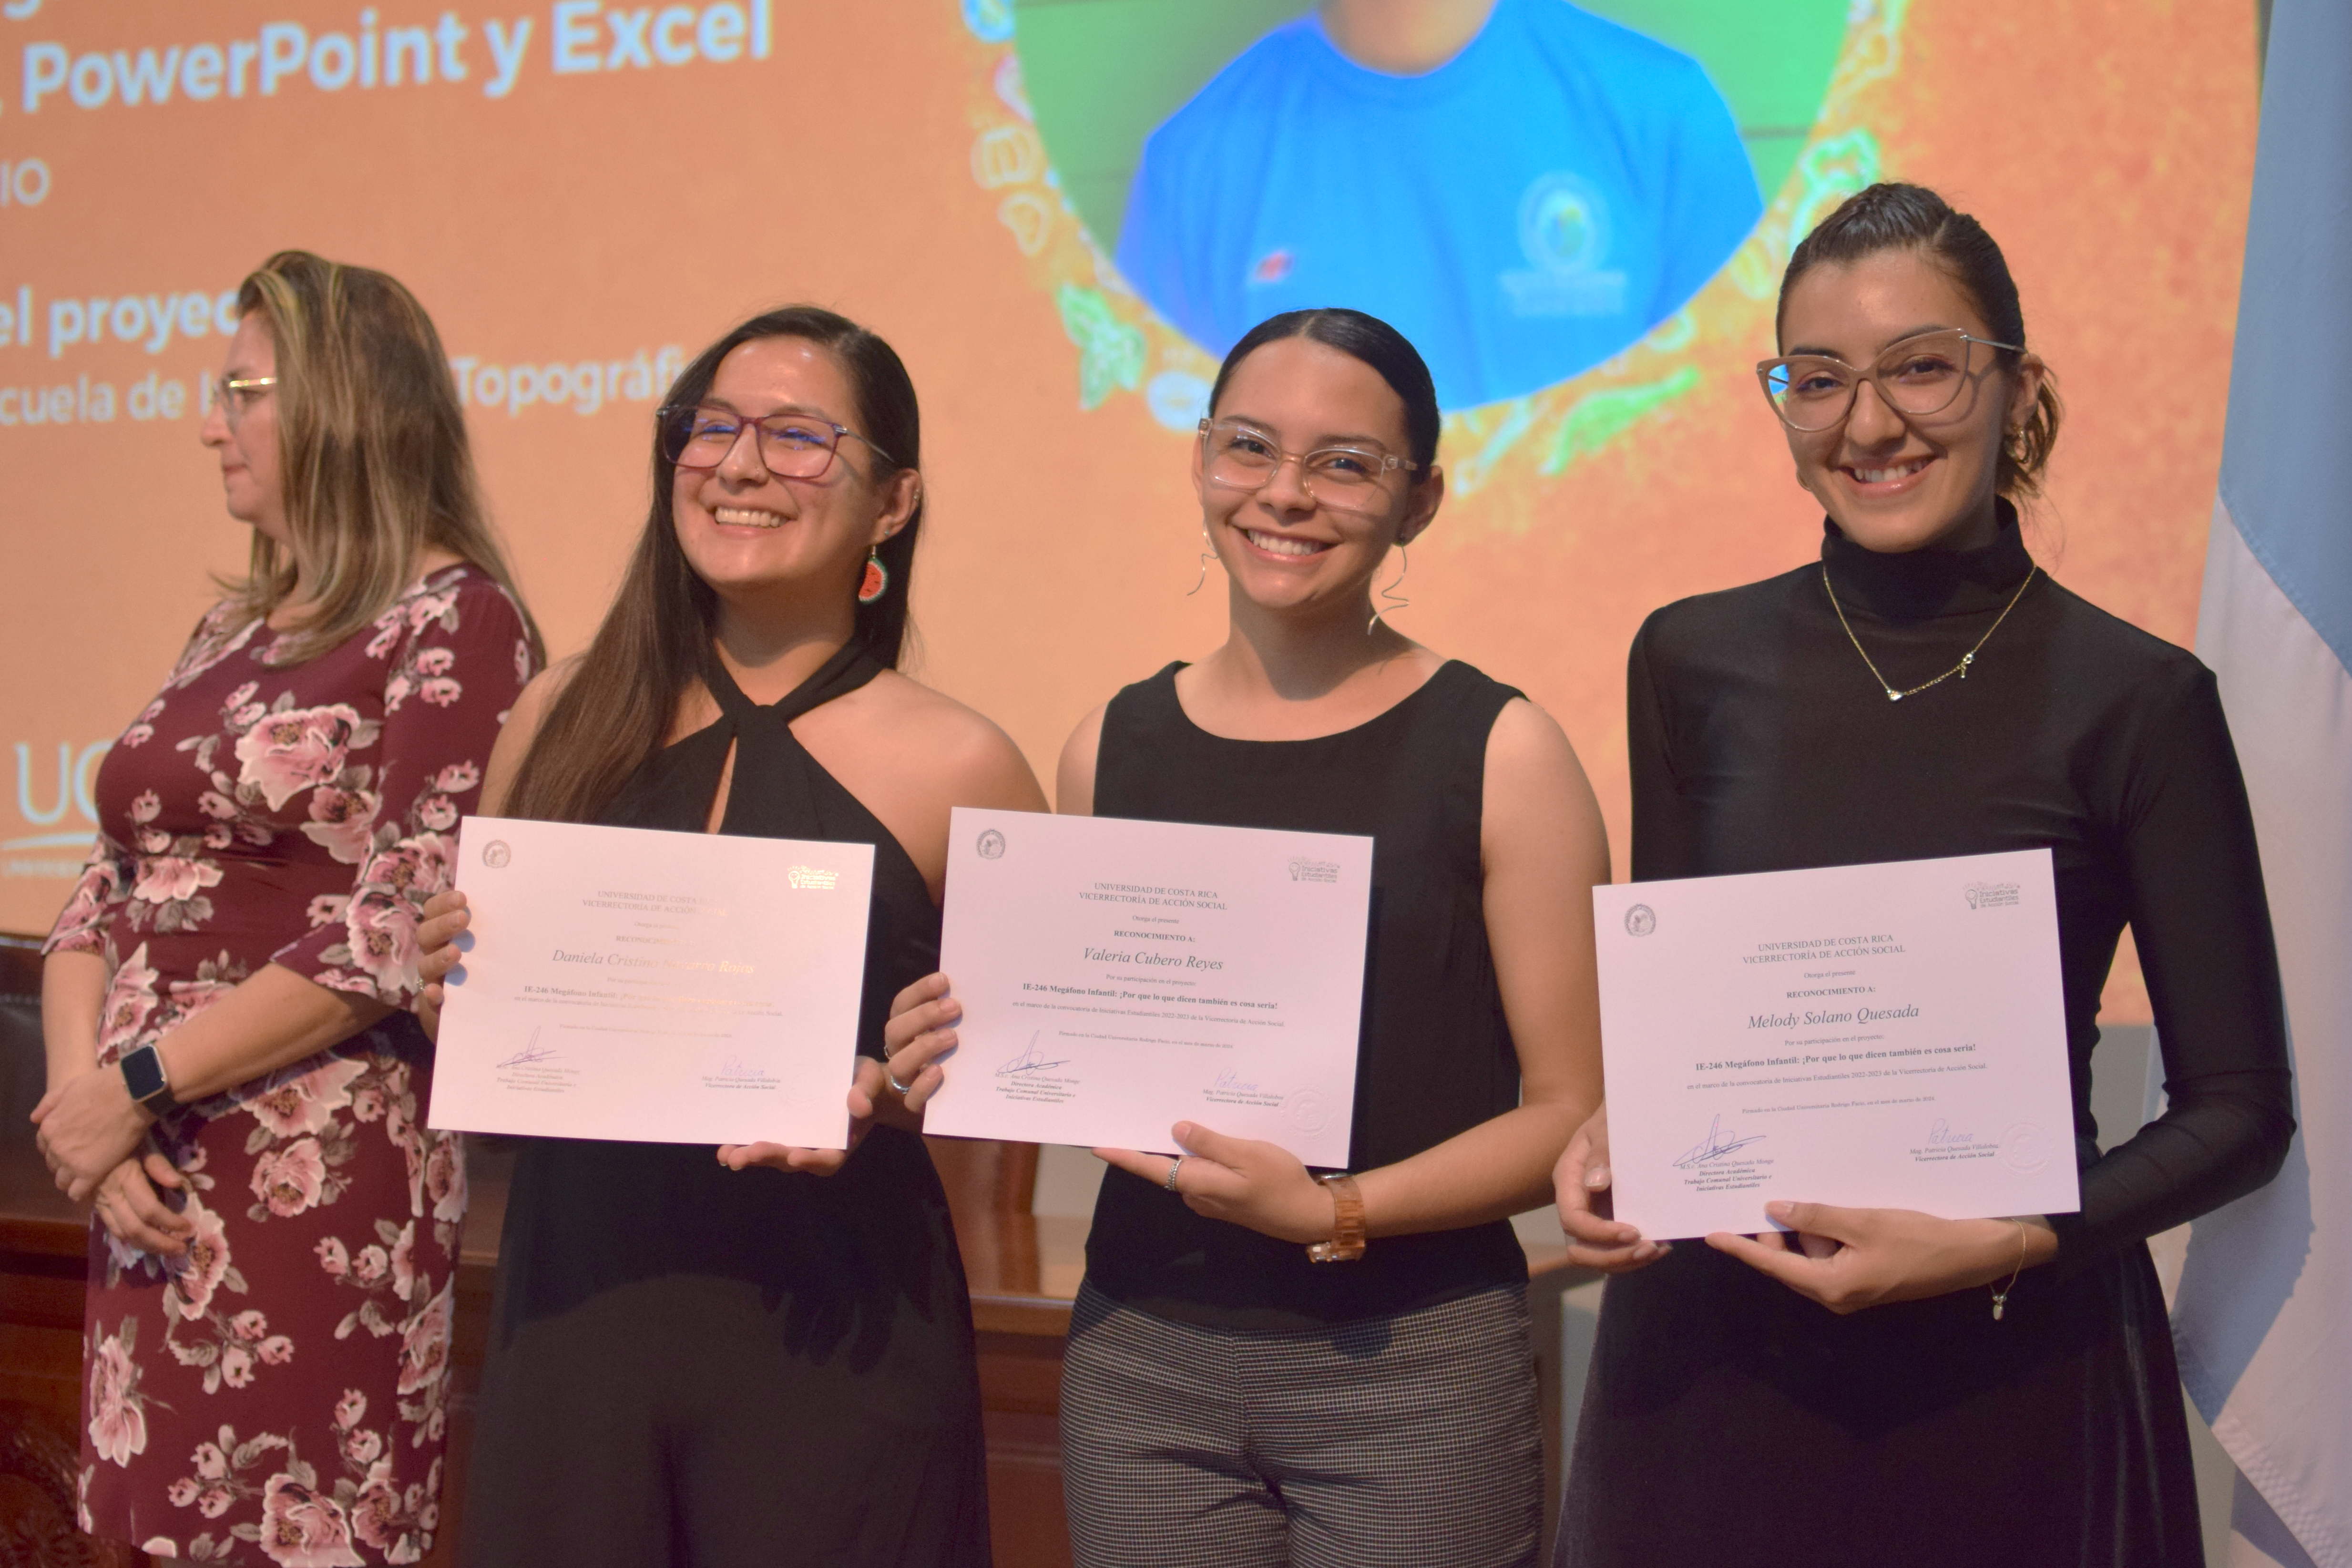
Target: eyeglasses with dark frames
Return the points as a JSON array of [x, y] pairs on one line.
[[791, 445]]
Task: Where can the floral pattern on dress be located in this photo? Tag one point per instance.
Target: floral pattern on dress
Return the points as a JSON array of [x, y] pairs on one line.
[[278, 1392], [304, 1519]]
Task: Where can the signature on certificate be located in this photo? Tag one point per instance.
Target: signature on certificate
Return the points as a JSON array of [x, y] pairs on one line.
[[1714, 1146], [1029, 1061], [531, 1052]]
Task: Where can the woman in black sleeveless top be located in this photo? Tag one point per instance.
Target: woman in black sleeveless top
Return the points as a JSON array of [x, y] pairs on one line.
[[1886, 1386], [765, 1356], [1226, 1401]]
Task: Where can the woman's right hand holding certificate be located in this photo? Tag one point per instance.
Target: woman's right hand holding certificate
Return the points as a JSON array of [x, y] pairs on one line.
[[438, 951], [1581, 1181]]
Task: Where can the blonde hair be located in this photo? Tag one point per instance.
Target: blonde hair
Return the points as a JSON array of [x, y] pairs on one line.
[[371, 450]]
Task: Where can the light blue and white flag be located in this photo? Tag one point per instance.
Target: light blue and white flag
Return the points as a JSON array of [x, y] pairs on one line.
[[2263, 1314]]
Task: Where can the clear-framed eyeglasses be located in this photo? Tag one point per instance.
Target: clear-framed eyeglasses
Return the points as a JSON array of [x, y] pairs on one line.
[[236, 393], [1918, 375], [791, 445], [1240, 456]]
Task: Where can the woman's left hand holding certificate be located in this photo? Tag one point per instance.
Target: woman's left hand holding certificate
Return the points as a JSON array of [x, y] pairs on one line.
[[1261, 1185], [920, 1032], [866, 1099]]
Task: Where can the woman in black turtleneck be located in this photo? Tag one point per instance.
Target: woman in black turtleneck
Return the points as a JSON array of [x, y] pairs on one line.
[[1848, 1397]]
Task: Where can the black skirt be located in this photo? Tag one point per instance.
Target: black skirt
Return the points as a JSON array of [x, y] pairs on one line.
[[1729, 1421]]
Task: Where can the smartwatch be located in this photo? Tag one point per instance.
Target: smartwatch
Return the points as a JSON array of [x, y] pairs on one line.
[[144, 1075]]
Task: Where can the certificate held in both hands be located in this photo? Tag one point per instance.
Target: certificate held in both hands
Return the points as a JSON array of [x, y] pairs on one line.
[[1117, 978], [655, 987], [1871, 1036]]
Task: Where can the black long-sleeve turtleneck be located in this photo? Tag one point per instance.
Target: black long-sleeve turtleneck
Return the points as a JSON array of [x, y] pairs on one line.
[[1760, 742]]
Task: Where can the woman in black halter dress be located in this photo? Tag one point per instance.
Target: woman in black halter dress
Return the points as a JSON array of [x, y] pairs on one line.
[[1897, 1388], [763, 1357]]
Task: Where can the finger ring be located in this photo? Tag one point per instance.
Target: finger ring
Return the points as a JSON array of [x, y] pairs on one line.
[[1173, 1166], [904, 1089]]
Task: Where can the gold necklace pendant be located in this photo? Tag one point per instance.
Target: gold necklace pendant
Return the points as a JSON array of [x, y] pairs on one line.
[[1961, 669]]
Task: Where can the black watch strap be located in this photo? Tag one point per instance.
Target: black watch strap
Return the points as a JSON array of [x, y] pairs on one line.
[[144, 1075]]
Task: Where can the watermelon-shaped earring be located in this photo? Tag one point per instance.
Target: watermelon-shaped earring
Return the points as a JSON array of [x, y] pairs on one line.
[[878, 578]]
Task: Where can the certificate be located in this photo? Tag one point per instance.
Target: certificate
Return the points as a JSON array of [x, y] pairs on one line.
[[1118, 977], [657, 987], [1873, 1036]]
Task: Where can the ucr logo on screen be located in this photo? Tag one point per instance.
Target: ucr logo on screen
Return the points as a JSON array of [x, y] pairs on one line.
[[58, 852]]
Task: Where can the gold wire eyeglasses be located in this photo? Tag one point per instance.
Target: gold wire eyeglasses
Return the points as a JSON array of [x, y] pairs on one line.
[[237, 393]]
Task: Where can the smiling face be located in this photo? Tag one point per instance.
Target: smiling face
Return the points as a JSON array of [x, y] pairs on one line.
[[1283, 546], [1892, 481], [246, 444], [743, 529]]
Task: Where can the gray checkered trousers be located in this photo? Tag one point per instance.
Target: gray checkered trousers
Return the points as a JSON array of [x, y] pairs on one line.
[[1402, 1442]]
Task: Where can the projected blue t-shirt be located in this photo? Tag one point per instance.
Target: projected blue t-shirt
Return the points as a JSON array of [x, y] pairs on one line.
[[1524, 211]]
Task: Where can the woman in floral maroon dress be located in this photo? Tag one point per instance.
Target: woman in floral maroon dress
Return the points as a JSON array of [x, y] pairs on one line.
[[268, 1328]]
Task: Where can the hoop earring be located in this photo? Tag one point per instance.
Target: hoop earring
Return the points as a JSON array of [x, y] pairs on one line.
[[1392, 601], [1206, 556], [878, 578]]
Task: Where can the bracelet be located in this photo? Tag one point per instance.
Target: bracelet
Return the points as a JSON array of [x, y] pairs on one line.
[[2000, 1297], [1347, 1243]]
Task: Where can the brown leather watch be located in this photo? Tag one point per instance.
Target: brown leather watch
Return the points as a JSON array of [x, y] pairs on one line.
[[1347, 1243]]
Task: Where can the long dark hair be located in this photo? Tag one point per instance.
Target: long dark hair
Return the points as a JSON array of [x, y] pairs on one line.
[[658, 637], [1893, 217], [1363, 337]]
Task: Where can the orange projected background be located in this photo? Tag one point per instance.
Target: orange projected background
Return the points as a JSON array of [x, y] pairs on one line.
[[584, 193]]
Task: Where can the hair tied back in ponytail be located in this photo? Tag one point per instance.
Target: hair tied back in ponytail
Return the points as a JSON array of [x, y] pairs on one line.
[[1894, 216]]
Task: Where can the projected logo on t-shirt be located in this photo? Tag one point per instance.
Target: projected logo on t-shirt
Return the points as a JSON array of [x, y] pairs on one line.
[[1563, 217], [1564, 231], [1553, 137]]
